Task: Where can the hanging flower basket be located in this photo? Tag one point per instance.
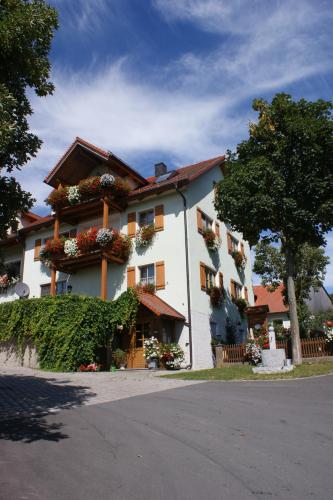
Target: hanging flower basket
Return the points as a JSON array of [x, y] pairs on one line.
[[104, 237], [144, 236], [241, 305], [73, 195], [216, 296], [71, 248], [212, 241]]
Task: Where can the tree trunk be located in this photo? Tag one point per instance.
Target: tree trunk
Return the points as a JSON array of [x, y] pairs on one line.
[[295, 338]]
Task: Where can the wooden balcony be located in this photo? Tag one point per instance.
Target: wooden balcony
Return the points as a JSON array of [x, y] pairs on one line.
[[70, 265], [72, 214]]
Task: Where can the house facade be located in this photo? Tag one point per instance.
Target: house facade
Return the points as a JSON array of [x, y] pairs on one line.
[[177, 262]]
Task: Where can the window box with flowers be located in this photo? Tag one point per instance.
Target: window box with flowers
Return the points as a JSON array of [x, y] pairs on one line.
[[144, 236], [87, 242], [146, 288], [216, 295], [239, 258], [88, 189], [212, 241]]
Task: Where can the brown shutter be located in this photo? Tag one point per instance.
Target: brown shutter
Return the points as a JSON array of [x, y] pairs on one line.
[[38, 244], [229, 243], [199, 220], [220, 281], [131, 224], [202, 276], [159, 218], [130, 277], [160, 275], [242, 249], [72, 233], [246, 294], [232, 289], [217, 229]]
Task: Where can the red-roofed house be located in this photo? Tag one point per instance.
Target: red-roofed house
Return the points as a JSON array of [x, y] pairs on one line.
[[93, 188], [278, 311]]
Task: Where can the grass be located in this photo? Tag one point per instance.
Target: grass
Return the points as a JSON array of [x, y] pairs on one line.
[[244, 372]]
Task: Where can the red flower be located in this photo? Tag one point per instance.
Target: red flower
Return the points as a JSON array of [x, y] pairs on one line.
[[86, 240]]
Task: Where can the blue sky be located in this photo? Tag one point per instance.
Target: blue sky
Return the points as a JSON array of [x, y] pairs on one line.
[[173, 80]]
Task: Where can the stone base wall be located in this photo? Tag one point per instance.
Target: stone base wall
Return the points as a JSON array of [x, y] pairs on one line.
[[10, 358]]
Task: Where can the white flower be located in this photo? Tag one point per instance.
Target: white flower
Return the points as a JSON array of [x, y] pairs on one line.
[[73, 195], [70, 247], [104, 236], [107, 180]]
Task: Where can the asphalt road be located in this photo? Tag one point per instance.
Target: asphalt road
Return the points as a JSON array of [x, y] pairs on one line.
[[218, 440]]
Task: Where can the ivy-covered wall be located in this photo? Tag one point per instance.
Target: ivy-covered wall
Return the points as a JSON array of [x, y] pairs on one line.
[[67, 330]]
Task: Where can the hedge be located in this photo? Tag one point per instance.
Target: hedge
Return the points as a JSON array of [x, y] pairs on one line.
[[67, 330]]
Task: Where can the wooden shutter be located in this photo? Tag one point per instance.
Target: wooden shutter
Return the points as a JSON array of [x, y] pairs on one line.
[[199, 220], [131, 224], [202, 276], [246, 294], [160, 275], [232, 289], [242, 249], [220, 281], [229, 238], [159, 218], [38, 244], [217, 229], [130, 277]]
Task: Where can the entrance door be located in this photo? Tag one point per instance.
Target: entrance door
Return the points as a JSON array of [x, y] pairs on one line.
[[135, 358]]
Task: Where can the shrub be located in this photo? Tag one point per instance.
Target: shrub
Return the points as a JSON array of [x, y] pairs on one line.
[[67, 330]]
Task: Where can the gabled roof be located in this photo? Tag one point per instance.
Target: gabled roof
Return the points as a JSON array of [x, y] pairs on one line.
[[274, 300], [94, 156], [181, 177], [159, 307]]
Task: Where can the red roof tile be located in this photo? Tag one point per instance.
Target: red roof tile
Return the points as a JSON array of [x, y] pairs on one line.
[[274, 300], [158, 306]]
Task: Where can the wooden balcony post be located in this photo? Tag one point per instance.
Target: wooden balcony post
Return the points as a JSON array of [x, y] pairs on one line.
[[104, 265], [56, 231]]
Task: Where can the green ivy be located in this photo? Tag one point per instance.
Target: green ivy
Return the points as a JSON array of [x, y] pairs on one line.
[[67, 330]]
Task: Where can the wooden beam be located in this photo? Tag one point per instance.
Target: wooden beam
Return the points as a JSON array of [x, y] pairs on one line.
[[105, 212], [56, 230], [104, 277]]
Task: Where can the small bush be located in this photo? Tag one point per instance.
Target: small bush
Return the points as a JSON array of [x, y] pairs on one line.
[[67, 330]]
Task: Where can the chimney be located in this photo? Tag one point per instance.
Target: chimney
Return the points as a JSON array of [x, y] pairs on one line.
[[160, 169]]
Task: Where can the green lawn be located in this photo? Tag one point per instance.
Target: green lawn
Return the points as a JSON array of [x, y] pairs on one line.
[[244, 372]]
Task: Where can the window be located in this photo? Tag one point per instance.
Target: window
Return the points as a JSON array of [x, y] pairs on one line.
[[232, 244], [146, 218], [210, 278], [61, 288], [147, 274], [207, 223], [236, 290]]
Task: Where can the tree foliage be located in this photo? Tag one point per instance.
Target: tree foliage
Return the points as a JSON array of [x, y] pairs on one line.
[[67, 330], [279, 182], [309, 272], [26, 32]]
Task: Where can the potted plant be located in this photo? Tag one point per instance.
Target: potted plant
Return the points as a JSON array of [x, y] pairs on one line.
[[146, 287], [239, 258], [172, 356], [216, 296], [145, 235], [241, 305], [119, 357], [211, 240], [151, 348]]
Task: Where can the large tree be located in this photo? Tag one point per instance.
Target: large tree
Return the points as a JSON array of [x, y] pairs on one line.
[[26, 32], [310, 268], [279, 183]]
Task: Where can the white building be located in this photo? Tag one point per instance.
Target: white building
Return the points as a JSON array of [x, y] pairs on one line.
[[178, 262]]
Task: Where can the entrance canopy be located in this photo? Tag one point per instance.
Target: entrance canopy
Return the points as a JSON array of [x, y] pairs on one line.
[[158, 307]]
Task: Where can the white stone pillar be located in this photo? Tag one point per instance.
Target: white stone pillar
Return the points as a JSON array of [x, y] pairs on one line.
[[271, 337]]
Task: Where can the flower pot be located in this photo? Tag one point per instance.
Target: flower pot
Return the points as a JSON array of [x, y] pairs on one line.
[[152, 364], [122, 366]]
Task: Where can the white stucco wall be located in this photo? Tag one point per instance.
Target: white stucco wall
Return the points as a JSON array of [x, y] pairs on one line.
[[200, 194]]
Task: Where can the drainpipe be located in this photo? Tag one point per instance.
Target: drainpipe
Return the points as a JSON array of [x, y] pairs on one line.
[[187, 275]]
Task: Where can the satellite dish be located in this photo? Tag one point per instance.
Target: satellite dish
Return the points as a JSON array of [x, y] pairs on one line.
[[22, 290]]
